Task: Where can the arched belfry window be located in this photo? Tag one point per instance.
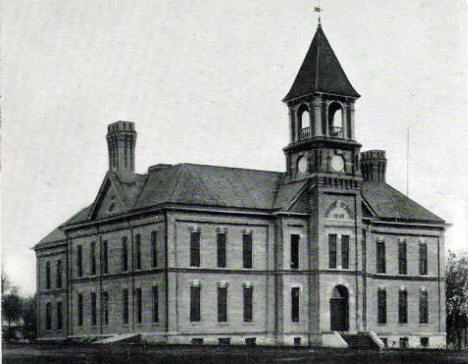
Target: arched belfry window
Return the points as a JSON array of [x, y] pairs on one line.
[[335, 120], [303, 121]]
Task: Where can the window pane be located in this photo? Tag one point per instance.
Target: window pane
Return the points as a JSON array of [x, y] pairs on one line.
[[59, 315], [139, 305], [125, 306], [382, 306], [221, 248], [381, 257], [423, 308], [222, 304], [154, 249], [138, 251], [332, 251], [195, 249], [48, 316], [79, 261], [80, 310], [124, 256], [247, 250], [194, 303], [155, 304], [93, 308], [248, 304], [105, 257], [402, 258], [403, 307], [295, 304], [422, 259], [345, 251], [295, 251], [93, 257], [48, 275]]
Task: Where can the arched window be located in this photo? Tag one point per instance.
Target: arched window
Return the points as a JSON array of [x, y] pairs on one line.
[[303, 119], [335, 120], [48, 275], [339, 309]]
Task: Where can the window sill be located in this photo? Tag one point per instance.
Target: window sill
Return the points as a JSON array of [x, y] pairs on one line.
[[155, 324], [223, 323]]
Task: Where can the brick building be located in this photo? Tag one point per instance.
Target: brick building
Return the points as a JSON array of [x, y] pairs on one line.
[[193, 253]]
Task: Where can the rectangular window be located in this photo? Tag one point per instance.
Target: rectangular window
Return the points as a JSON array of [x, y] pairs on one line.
[[124, 254], [403, 307], [139, 305], [403, 342], [59, 316], [48, 275], [424, 342], [195, 249], [154, 249], [247, 250], [221, 249], [380, 257], [58, 277], [248, 304], [423, 308], [382, 306], [295, 251], [138, 251], [155, 304], [92, 257], [105, 257], [195, 303], [332, 250], [345, 251], [402, 263], [125, 306], [48, 316], [79, 261], [222, 304], [105, 307], [295, 304], [80, 310], [93, 308], [422, 259]]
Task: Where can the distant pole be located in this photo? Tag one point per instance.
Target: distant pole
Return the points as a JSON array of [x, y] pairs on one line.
[[407, 161]]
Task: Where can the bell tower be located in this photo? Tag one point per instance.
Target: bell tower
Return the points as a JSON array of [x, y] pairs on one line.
[[323, 155], [321, 115]]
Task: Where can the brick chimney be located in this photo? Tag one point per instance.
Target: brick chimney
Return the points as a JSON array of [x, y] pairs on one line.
[[373, 165], [121, 138]]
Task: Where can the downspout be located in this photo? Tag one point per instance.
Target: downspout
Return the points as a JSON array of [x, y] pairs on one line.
[[356, 261], [166, 273], [132, 266], [100, 279], [438, 280]]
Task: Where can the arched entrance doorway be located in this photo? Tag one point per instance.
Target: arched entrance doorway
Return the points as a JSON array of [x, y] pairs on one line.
[[339, 309]]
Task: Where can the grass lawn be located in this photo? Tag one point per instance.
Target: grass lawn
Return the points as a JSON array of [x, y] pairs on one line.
[[137, 353]]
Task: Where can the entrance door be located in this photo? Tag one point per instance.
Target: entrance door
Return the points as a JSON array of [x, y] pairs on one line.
[[339, 309]]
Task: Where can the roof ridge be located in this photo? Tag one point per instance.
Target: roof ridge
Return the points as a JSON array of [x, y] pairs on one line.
[[223, 167]]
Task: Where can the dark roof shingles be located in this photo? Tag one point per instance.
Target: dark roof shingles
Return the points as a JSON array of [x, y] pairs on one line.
[[320, 71], [389, 203]]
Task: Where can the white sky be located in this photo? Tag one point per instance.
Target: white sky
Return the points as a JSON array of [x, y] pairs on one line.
[[203, 80]]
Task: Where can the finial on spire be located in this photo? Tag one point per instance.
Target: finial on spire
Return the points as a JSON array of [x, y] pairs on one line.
[[318, 10]]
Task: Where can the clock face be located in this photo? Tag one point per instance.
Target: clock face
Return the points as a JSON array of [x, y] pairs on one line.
[[337, 163], [302, 165]]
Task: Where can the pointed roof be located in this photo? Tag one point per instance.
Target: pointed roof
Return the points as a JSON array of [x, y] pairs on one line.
[[320, 71]]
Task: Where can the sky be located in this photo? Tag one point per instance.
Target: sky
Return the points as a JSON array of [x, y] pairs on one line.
[[203, 81]]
